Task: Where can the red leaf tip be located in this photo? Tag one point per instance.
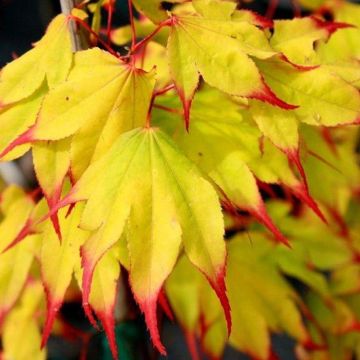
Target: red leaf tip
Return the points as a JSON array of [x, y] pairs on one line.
[[148, 307], [53, 307], [302, 192], [108, 323], [219, 287], [261, 214]]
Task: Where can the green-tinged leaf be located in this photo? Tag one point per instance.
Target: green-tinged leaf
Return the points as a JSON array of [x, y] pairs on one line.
[[154, 57], [280, 126], [261, 301], [162, 198], [340, 165], [215, 9], [222, 144], [50, 60], [223, 62], [153, 9], [343, 44], [323, 98], [296, 38]]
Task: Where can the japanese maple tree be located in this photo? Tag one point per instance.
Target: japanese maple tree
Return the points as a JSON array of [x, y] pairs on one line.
[[204, 155]]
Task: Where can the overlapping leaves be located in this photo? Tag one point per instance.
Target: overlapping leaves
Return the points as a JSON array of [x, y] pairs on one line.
[[152, 187]]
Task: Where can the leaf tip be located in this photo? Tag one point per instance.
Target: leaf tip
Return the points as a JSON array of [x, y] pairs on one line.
[[148, 307]]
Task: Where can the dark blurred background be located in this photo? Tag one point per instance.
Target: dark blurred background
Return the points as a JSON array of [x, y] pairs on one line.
[[23, 22]]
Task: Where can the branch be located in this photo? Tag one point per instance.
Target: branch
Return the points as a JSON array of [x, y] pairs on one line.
[[66, 7]]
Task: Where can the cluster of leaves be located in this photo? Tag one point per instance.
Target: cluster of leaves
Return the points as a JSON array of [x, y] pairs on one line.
[[148, 157]]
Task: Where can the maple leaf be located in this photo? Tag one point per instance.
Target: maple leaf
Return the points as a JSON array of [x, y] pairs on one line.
[[224, 62], [153, 9], [103, 294], [21, 326], [14, 264], [163, 207], [58, 260], [302, 33], [222, 144], [323, 98], [49, 60], [346, 40], [72, 109], [16, 120], [51, 165], [249, 282]]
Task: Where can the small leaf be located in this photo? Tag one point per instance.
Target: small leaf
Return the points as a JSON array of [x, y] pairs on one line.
[[50, 60], [58, 260], [21, 327]]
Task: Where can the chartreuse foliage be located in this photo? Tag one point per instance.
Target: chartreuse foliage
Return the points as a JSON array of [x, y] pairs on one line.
[[165, 163]]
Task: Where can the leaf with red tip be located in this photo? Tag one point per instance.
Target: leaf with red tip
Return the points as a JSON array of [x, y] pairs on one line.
[[73, 108], [253, 18], [51, 164], [103, 294], [273, 167], [49, 61], [341, 168], [220, 144], [15, 121], [257, 290], [15, 264], [164, 202], [281, 127], [58, 261], [342, 47], [295, 38], [223, 63], [324, 99], [163, 302], [16, 211]]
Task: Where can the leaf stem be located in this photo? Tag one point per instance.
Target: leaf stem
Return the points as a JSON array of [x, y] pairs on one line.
[[109, 21], [90, 30], [270, 12], [137, 46]]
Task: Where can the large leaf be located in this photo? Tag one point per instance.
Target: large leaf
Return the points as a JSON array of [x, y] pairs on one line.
[[74, 107], [161, 196], [223, 62], [323, 98], [221, 145]]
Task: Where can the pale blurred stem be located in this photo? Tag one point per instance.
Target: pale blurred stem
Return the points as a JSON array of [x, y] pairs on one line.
[[66, 7], [132, 24]]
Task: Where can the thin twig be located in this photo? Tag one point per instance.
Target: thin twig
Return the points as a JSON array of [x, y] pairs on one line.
[[66, 8], [132, 23]]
